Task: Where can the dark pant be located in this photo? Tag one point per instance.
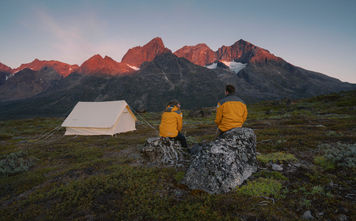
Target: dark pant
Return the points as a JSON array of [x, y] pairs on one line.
[[182, 139], [220, 133]]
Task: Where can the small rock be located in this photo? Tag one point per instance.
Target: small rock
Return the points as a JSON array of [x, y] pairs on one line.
[[195, 149], [89, 217], [179, 193], [297, 165], [342, 217], [331, 184], [307, 215], [277, 167], [341, 210]]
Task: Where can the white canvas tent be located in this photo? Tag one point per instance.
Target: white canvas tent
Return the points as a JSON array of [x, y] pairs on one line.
[[100, 118]]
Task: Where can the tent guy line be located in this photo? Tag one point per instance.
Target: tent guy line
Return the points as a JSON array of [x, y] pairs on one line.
[[144, 120]]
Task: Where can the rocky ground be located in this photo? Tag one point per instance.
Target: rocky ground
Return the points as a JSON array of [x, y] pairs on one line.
[[306, 151]]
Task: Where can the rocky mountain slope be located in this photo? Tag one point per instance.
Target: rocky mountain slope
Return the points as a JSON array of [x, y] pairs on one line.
[[168, 77], [5, 73], [28, 83], [165, 78]]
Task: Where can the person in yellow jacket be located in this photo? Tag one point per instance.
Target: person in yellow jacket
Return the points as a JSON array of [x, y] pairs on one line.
[[231, 111], [172, 122]]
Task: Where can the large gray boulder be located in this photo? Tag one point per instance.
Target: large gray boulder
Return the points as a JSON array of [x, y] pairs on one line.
[[225, 163], [165, 151]]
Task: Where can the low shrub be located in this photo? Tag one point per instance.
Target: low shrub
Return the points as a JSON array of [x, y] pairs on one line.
[[342, 155], [317, 190], [5, 136], [16, 162], [324, 162], [261, 187]]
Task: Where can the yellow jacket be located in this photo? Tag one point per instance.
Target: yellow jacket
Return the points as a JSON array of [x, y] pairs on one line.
[[231, 112], [171, 122]]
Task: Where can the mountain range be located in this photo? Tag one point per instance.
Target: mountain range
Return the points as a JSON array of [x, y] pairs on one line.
[[200, 54], [148, 76]]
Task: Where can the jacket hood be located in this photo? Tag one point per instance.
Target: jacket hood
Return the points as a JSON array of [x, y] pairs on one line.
[[171, 108]]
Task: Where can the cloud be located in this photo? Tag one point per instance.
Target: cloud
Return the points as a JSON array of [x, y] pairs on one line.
[[74, 39], [66, 40]]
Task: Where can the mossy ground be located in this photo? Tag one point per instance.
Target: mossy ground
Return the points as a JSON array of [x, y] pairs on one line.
[[104, 178]]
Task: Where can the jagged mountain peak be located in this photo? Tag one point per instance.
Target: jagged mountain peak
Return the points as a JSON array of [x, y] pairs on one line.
[[155, 41], [5, 68], [199, 54], [245, 52], [96, 57], [242, 41], [63, 69], [137, 55], [240, 51], [197, 47], [107, 66]]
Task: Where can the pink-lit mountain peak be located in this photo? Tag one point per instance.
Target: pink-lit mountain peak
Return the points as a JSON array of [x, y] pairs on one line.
[[245, 52], [60, 67], [5, 68], [199, 54], [241, 51], [137, 55], [99, 65], [157, 41]]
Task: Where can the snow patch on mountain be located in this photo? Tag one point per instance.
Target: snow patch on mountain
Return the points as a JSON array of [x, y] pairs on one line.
[[133, 67], [233, 66], [212, 66]]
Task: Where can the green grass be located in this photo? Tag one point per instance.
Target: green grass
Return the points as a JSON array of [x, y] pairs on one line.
[[104, 177], [277, 157], [271, 174]]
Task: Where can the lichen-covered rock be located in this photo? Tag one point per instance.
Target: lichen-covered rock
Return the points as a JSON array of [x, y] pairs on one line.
[[165, 151], [225, 163]]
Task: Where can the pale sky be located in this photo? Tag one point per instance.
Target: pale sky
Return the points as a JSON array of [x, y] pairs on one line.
[[318, 35]]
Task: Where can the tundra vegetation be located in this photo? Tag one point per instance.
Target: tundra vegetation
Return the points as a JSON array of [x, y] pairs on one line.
[[46, 176]]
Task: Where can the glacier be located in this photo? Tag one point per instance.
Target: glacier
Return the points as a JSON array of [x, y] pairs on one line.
[[233, 65]]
